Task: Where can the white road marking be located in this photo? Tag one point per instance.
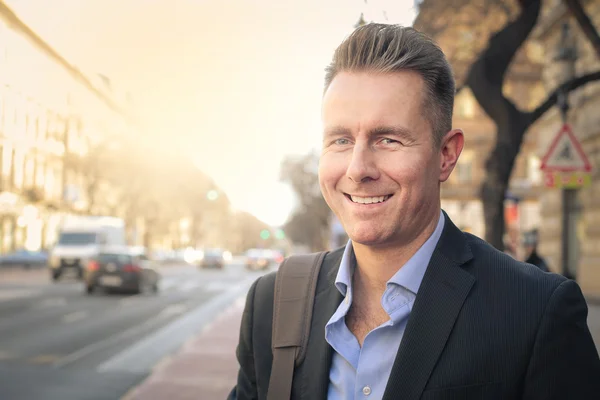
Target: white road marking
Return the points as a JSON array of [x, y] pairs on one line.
[[189, 286], [111, 340], [51, 302], [168, 283], [173, 309], [13, 294], [143, 355], [75, 316], [217, 286]]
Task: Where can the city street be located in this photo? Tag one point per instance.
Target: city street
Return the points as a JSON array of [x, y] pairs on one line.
[[58, 343]]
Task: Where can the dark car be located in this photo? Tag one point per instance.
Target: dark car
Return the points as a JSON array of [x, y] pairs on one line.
[[258, 259], [213, 258], [122, 269], [24, 258]]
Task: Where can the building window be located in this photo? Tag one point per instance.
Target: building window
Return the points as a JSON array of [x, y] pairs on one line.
[[40, 174], [49, 182], [42, 131], [2, 111], [464, 168], [21, 116], [464, 172], [6, 160], [8, 114], [50, 125], [19, 168], [29, 171]]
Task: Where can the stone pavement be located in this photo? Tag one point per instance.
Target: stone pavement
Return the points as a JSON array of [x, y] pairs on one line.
[[205, 368]]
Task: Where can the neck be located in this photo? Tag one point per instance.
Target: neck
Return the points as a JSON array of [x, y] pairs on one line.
[[375, 266]]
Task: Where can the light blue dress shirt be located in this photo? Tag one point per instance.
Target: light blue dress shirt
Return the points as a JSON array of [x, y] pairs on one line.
[[362, 373]]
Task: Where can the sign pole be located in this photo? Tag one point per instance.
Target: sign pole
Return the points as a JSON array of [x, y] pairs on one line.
[[567, 55], [568, 201]]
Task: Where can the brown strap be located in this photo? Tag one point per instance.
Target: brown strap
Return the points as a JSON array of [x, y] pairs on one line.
[[282, 374], [295, 286]]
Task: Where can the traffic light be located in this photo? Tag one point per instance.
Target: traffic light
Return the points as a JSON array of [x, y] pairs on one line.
[[280, 234], [265, 234], [212, 195]]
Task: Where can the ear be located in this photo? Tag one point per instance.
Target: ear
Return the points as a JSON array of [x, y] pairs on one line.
[[451, 147]]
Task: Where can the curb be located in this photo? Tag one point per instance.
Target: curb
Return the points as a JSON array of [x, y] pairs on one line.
[[166, 361]]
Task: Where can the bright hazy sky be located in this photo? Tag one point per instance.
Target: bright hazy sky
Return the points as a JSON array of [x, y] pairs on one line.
[[236, 85]]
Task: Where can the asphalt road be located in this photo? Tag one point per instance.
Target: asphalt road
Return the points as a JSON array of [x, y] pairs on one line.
[[58, 343]]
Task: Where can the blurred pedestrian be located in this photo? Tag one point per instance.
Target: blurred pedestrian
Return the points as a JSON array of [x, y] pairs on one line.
[[530, 243]]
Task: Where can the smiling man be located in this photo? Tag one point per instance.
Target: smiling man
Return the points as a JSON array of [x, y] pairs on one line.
[[413, 308]]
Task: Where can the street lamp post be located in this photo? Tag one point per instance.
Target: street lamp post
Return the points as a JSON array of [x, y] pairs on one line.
[[567, 56]]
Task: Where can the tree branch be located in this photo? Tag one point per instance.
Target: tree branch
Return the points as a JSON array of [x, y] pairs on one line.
[[585, 23], [504, 44], [568, 87], [486, 75]]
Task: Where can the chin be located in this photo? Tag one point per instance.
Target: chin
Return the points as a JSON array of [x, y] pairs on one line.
[[368, 236]]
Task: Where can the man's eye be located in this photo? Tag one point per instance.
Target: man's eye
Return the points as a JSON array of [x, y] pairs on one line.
[[389, 141], [341, 142]]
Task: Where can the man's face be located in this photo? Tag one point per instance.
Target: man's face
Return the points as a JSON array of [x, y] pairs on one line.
[[379, 171]]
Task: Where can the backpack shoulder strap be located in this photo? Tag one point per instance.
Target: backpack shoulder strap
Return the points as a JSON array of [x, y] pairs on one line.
[[295, 286]]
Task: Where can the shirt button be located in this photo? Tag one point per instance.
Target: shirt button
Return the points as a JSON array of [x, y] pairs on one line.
[[366, 390]]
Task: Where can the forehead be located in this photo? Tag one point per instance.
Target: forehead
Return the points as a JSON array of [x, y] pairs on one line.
[[369, 98]]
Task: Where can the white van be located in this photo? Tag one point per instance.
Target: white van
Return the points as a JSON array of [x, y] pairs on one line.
[[81, 238]]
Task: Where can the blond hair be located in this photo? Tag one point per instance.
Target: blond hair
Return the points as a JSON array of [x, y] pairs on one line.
[[384, 48]]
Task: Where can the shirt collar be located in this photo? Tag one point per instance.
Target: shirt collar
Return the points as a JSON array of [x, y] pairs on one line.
[[409, 276]]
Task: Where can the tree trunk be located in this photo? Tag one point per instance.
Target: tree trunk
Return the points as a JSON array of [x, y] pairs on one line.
[[486, 78], [498, 169]]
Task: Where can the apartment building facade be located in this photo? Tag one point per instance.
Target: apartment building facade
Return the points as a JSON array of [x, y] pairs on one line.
[[50, 112]]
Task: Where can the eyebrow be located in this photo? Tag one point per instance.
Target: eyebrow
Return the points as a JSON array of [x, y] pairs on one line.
[[398, 131]]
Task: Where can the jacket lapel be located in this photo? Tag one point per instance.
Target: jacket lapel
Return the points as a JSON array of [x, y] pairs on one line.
[[442, 293], [314, 371]]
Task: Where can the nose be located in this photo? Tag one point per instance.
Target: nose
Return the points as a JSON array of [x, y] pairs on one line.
[[362, 167]]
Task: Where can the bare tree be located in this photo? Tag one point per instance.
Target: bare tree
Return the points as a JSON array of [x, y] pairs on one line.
[[309, 224], [486, 77]]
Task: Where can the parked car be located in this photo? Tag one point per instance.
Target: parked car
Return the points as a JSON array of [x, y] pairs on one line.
[[213, 258], [121, 268], [24, 258]]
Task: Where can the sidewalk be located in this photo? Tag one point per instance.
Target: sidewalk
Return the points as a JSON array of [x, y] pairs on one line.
[[205, 368], [18, 275]]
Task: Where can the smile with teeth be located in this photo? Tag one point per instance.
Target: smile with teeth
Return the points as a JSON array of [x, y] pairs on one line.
[[369, 200]]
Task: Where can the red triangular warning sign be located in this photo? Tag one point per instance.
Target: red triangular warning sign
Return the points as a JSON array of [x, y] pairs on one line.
[[565, 153]]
